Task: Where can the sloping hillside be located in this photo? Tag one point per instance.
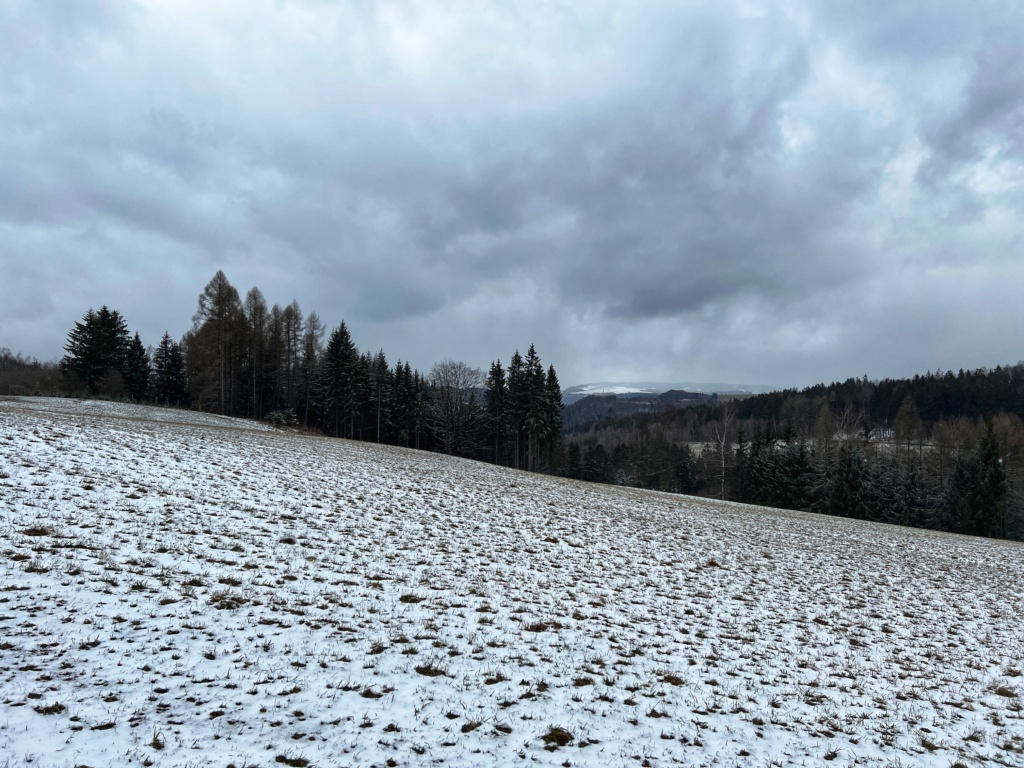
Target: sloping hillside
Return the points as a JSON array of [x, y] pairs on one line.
[[199, 594]]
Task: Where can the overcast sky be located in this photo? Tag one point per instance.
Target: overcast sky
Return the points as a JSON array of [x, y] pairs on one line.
[[648, 190]]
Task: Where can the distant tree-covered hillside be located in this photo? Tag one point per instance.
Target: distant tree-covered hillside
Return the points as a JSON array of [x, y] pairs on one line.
[[942, 450], [874, 405], [593, 408]]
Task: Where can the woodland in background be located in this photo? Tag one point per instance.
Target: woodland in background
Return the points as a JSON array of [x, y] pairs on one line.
[[942, 451], [21, 375], [245, 358], [858, 449]]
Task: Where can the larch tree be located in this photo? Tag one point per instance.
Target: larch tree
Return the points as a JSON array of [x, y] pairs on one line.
[[908, 428], [291, 353], [256, 315], [273, 366], [309, 364], [213, 345]]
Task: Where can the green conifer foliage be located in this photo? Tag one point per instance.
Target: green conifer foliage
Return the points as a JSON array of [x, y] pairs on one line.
[[97, 351]]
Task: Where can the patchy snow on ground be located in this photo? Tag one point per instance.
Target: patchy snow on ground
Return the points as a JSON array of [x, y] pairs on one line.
[[179, 594], [131, 411]]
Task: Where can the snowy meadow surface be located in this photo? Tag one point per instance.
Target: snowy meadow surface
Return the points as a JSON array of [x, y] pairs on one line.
[[181, 590]]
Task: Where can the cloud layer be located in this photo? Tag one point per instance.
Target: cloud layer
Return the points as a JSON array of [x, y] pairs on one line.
[[646, 191]]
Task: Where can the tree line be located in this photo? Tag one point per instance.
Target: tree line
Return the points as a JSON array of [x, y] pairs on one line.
[[20, 375], [942, 450], [874, 405], [844, 450], [242, 357]]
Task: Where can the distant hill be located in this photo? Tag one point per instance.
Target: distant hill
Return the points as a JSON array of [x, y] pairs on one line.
[[633, 389], [591, 408], [587, 403]]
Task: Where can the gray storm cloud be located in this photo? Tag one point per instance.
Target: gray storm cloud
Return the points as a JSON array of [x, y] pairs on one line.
[[657, 191]]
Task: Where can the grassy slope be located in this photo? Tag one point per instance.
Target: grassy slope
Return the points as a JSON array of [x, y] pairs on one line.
[[197, 594]]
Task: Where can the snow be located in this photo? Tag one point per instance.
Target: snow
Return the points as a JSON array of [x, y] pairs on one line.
[[176, 593], [131, 411], [657, 387], [613, 389]]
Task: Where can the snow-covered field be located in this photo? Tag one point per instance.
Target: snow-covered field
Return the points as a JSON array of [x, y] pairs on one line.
[[130, 411], [177, 593]]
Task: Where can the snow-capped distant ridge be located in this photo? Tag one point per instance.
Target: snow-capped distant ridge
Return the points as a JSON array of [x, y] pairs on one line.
[[179, 593], [653, 388], [608, 388]]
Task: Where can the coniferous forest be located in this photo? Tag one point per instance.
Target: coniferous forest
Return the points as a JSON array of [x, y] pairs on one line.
[[943, 451]]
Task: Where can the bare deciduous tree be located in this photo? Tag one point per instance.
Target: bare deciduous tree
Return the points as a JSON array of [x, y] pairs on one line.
[[454, 412], [722, 436]]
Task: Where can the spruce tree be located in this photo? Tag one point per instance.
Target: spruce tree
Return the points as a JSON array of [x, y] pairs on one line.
[[552, 433], [686, 471], [518, 406], [536, 409], [274, 360], [365, 412], [400, 404], [136, 369], [575, 462], [976, 495], [958, 511], [169, 385], [83, 364], [844, 495], [341, 377], [597, 465], [496, 403], [758, 470], [794, 467], [417, 406], [992, 488], [380, 391], [97, 351]]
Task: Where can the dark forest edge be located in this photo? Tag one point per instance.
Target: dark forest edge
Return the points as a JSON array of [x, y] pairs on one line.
[[941, 451], [246, 359]]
